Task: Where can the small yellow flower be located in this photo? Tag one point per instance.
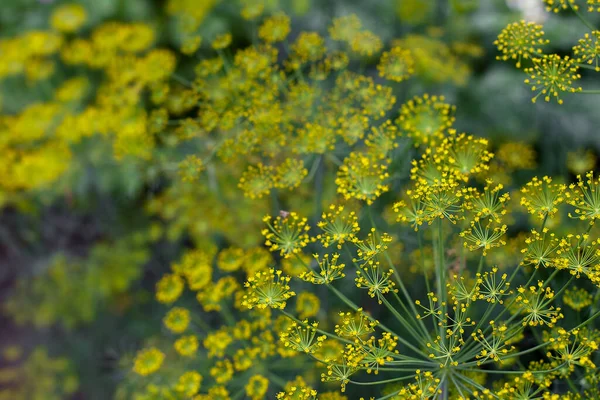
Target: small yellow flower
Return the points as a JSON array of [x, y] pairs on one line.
[[588, 50], [267, 289], [189, 383], [396, 65], [307, 305], [558, 5], [345, 28], [177, 319], [366, 43], [148, 361], [222, 41], [169, 288], [275, 28], [552, 75], [257, 387], [309, 46], [191, 44], [186, 346], [362, 177], [520, 40], [68, 18], [581, 161]]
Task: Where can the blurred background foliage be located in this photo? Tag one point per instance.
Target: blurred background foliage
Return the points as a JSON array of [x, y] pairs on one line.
[[79, 262]]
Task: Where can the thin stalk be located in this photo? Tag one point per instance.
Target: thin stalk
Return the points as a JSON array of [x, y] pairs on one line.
[[585, 21], [587, 66], [181, 80], [442, 292], [407, 296], [420, 240], [403, 321], [477, 385], [441, 275], [384, 381]]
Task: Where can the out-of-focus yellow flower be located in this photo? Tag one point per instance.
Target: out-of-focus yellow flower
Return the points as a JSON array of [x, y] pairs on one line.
[[68, 18], [148, 361]]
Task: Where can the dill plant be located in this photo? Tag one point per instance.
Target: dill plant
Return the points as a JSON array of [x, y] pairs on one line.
[[410, 283], [483, 315], [549, 74]]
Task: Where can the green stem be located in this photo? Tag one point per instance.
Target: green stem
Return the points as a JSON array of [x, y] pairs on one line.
[[441, 272], [441, 275], [587, 66], [403, 321], [384, 381], [585, 21], [407, 296]]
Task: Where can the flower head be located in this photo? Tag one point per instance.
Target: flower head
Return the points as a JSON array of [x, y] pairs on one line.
[[275, 28], [396, 64], [177, 319], [521, 40], [425, 118], [588, 50], [552, 75], [286, 233], [186, 345], [169, 288], [338, 226], [585, 197], [329, 270], [267, 289], [148, 361], [68, 18], [362, 177], [302, 337]]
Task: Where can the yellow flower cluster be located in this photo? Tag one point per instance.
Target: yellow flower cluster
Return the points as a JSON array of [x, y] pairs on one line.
[[550, 75], [458, 300]]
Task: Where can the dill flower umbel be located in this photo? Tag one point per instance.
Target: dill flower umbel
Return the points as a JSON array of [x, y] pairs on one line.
[[396, 64], [68, 18], [588, 50], [521, 41], [558, 5], [302, 337], [517, 155], [362, 177], [425, 118], [169, 288], [585, 197], [329, 270], [257, 387], [177, 319], [345, 28], [581, 161], [577, 298], [186, 346], [275, 28], [551, 75], [222, 41], [338, 226], [148, 361], [541, 197], [286, 233], [267, 289], [258, 181], [189, 383], [307, 305]]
